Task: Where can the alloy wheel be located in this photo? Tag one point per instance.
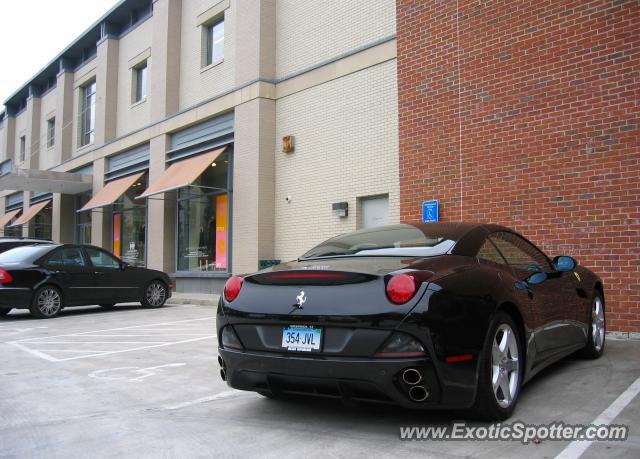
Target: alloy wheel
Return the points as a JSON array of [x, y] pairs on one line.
[[49, 302], [505, 365], [156, 294], [597, 324]]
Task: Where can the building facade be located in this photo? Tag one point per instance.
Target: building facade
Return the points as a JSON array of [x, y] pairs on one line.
[[526, 113], [208, 137]]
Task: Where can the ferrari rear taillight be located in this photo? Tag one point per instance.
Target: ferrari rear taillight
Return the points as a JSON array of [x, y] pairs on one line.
[[401, 288], [232, 287], [5, 277]]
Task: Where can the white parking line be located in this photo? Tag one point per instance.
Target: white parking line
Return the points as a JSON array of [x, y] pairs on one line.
[[575, 449], [210, 398], [45, 347]]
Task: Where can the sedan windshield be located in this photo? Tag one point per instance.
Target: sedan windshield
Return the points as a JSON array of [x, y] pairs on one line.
[[24, 254], [392, 240]]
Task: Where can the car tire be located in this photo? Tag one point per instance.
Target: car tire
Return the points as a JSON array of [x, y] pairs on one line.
[[597, 329], [500, 370], [47, 302], [5, 311], [155, 294]]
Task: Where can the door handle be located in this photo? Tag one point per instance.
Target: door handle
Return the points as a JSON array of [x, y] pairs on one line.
[[98, 273]]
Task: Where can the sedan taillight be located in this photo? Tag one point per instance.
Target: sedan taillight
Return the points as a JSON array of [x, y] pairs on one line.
[[5, 277]]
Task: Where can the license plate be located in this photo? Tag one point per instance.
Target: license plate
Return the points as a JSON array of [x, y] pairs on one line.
[[301, 338]]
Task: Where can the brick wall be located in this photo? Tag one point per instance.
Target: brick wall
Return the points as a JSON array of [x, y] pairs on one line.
[[525, 113]]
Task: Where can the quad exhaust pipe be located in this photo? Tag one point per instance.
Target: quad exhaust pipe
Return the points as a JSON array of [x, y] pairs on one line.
[[411, 376], [418, 393]]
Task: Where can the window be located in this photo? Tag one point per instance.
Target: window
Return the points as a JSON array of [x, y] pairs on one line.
[[488, 252], [87, 113], [66, 257], [83, 220], [520, 254], [203, 220], [396, 240], [23, 148], [101, 259], [140, 82], [130, 225], [215, 42], [51, 132], [40, 226]]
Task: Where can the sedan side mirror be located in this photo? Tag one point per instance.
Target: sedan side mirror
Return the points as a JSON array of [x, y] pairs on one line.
[[564, 264], [123, 265]]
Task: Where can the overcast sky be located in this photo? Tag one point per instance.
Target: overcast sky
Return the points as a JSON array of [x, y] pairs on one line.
[[33, 32]]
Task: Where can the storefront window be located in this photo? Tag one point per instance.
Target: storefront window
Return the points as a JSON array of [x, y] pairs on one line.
[[83, 220], [13, 231], [203, 220], [130, 225], [40, 227]]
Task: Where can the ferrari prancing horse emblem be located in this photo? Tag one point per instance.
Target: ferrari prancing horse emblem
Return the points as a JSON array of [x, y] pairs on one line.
[[301, 299]]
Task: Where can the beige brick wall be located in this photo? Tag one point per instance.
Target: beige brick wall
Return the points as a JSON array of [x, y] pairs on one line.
[[197, 84], [345, 147], [132, 116], [47, 156], [311, 31]]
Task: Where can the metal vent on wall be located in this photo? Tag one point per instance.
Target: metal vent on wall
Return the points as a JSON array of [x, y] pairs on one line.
[[14, 201], [38, 196], [127, 163], [202, 137]]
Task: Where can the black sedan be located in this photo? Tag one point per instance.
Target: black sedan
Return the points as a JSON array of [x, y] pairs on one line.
[[436, 315], [45, 278], [8, 243]]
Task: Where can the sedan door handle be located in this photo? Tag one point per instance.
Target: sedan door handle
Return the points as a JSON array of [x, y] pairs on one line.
[[98, 273]]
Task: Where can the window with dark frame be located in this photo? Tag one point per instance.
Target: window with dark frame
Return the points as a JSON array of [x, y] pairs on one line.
[[51, 132], [87, 113], [215, 42], [23, 148], [140, 82]]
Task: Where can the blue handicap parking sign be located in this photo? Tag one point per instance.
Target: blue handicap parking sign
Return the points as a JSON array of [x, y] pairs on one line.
[[430, 211]]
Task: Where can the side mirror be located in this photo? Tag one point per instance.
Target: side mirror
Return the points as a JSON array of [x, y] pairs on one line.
[[534, 279], [564, 264], [123, 265]]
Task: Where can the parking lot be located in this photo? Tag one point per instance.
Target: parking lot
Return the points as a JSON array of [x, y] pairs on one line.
[[144, 383]]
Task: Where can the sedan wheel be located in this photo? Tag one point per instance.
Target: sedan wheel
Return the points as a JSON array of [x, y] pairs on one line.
[[500, 370], [47, 302], [155, 295]]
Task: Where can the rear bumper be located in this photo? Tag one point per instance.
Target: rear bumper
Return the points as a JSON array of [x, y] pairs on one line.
[[12, 297], [357, 379]]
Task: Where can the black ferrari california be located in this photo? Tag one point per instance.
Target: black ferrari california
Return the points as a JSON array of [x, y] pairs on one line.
[[46, 278], [436, 315]]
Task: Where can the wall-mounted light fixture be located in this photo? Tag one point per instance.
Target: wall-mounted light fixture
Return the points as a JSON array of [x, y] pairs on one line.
[[340, 209], [287, 144]]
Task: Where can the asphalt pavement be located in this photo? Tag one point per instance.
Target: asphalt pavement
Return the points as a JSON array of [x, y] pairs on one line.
[[135, 382]]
